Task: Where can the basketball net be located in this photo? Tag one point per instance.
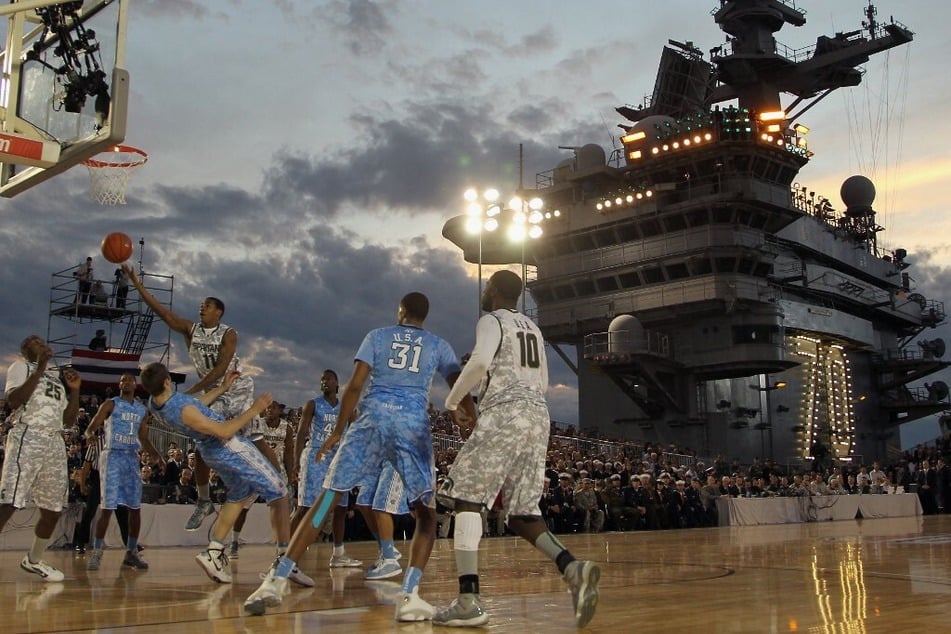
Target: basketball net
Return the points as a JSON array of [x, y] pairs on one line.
[[109, 173]]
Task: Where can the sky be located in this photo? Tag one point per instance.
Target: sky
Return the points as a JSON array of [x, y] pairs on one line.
[[304, 156]]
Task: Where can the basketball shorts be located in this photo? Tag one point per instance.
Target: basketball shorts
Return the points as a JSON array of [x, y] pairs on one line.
[[243, 469], [34, 467], [239, 398], [506, 452], [383, 435], [119, 479], [310, 481], [386, 495]]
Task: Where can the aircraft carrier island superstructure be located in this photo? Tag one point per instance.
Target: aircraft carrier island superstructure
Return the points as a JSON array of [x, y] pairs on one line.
[[714, 301]]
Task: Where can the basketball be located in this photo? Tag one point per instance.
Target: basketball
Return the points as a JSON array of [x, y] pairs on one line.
[[117, 247]]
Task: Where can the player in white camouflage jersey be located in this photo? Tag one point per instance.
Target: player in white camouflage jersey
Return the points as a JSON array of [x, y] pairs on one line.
[[44, 401], [212, 347], [279, 436], [506, 452]]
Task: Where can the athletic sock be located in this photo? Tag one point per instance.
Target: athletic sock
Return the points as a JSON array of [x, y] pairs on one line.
[[556, 551], [411, 579], [214, 544], [38, 548], [133, 544], [98, 543], [388, 549], [204, 492], [284, 567], [339, 550], [466, 545]]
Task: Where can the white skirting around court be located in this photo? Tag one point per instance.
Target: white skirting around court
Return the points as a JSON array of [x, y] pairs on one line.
[[162, 525]]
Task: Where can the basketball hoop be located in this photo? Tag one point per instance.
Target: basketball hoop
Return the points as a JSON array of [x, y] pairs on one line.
[[110, 171]]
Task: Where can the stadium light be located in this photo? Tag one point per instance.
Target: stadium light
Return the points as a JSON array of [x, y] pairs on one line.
[[520, 221]]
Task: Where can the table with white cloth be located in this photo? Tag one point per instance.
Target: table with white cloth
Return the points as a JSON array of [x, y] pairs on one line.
[[162, 525], [814, 508]]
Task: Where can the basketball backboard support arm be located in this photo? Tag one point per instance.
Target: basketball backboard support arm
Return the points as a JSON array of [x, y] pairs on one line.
[[39, 138]]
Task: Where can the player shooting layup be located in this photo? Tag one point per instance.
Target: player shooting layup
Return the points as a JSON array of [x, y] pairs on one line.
[[212, 347]]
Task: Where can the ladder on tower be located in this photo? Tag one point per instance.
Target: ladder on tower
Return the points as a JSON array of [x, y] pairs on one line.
[[137, 334]]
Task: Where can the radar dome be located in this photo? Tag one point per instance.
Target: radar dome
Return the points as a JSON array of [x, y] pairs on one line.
[[625, 334], [857, 192], [590, 156]]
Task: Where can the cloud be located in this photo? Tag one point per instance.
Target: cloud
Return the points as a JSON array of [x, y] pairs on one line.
[[177, 8], [415, 163]]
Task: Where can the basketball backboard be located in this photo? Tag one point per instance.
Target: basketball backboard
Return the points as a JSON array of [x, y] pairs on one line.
[[64, 89]]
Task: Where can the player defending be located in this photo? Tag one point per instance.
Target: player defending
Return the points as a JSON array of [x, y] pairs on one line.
[[36, 462], [396, 364], [317, 423], [506, 452], [126, 430], [243, 469], [212, 347], [279, 436]]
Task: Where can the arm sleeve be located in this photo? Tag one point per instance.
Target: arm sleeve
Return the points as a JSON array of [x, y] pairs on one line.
[[488, 338], [16, 376]]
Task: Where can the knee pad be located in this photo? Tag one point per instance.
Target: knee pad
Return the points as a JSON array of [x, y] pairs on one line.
[[468, 531]]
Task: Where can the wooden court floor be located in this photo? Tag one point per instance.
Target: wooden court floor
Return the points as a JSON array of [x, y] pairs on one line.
[[881, 575]]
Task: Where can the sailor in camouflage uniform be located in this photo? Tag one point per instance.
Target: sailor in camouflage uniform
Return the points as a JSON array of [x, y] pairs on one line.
[[506, 452], [44, 401]]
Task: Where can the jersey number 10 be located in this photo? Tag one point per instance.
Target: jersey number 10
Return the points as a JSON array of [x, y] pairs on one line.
[[528, 344]]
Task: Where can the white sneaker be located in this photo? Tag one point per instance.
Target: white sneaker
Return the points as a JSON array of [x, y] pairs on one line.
[[43, 569], [300, 578], [410, 607], [344, 561], [269, 594], [215, 564]]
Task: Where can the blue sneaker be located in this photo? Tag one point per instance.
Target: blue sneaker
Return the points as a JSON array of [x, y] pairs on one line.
[[383, 569]]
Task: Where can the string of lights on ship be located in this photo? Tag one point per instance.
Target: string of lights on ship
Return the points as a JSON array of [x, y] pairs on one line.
[[701, 129]]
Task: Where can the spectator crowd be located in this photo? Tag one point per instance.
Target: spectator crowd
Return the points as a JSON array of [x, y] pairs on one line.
[[591, 484]]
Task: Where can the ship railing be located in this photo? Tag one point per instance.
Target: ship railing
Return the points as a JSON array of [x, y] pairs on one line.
[[792, 54], [924, 353], [625, 342], [915, 395], [546, 179]]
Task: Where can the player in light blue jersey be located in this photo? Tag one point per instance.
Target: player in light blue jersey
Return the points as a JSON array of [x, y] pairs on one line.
[[393, 370], [126, 423], [213, 349], [317, 423], [244, 470]]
